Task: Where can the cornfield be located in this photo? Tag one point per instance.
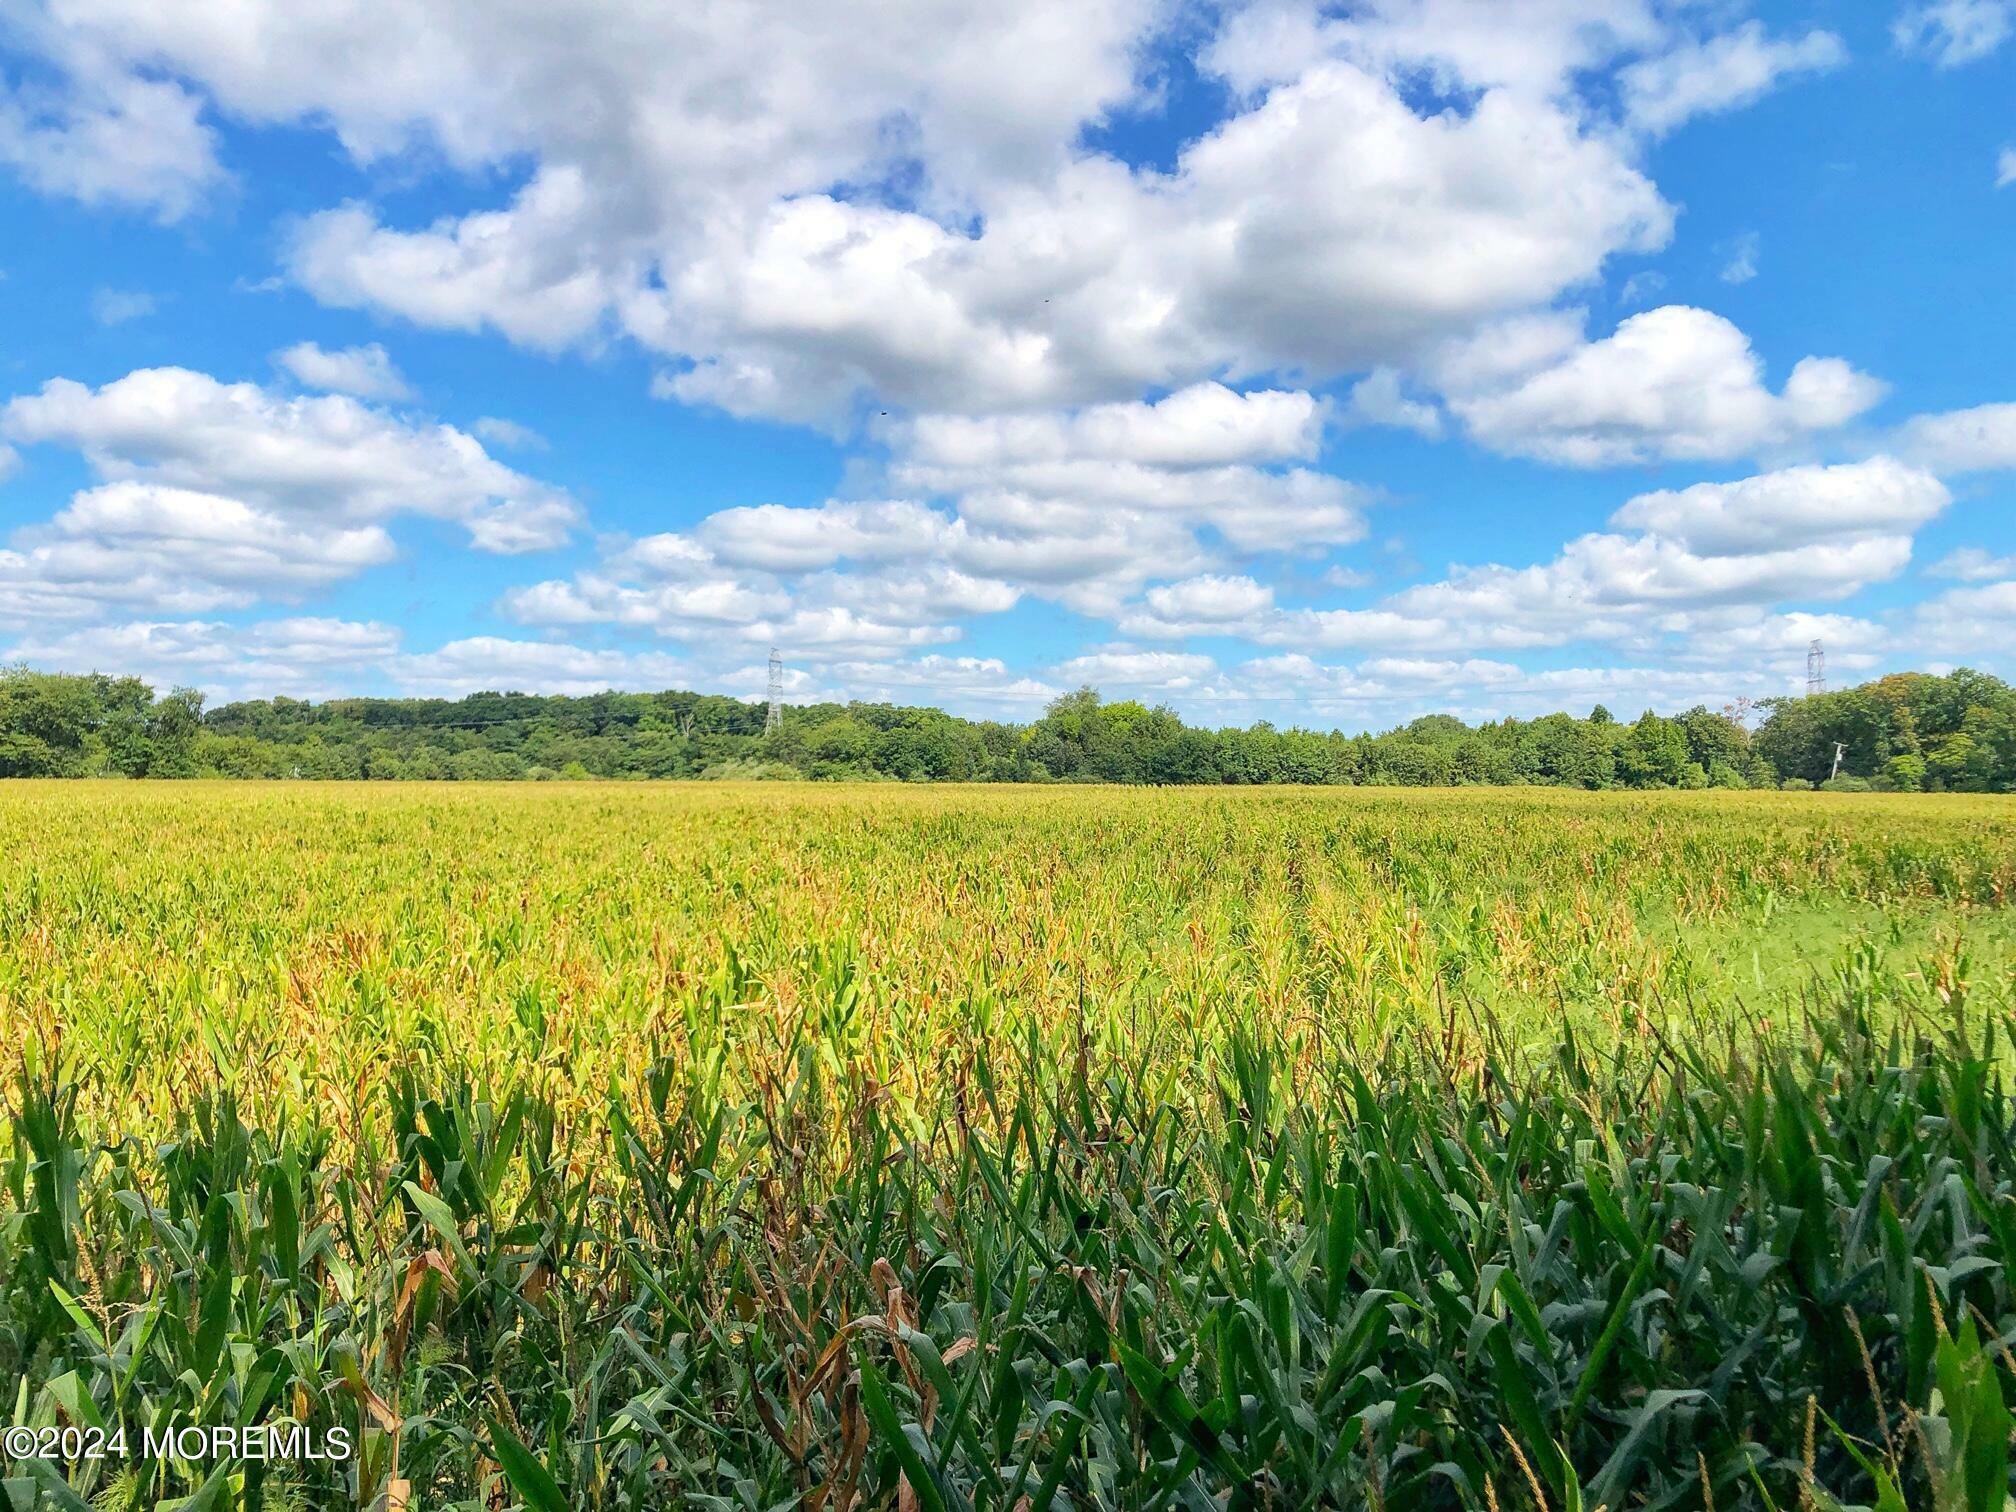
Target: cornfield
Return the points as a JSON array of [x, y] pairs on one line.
[[739, 1148]]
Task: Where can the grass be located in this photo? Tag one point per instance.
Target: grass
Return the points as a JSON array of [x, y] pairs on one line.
[[1075, 1148]]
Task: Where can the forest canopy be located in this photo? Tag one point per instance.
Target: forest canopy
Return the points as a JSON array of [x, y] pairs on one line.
[[1908, 732]]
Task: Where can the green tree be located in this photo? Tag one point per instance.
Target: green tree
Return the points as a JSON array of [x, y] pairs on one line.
[[1950, 764], [1714, 739], [172, 734], [1654, 754], [45, 722], [1906, 773]]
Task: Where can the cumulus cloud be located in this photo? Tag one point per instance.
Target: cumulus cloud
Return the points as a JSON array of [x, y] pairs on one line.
[[1210, 599], [1030, 488], [300, 657], [1720, 73], [1127, 669], [508, 270], [323, 460], [365, 372], [976, 253], [172, 550], [676, 608], [957, 682], [1962, 621], [801, 212], [1675, 382], [1953, 32], [1790, 507], [1081, 507], [1205, 425], [1748, 637], [1980, 439], [488, 663], [104, 133], [776, 538], [1328, 228], [1970, 564], [1682, 563], [1383, 691], [1378, 399]]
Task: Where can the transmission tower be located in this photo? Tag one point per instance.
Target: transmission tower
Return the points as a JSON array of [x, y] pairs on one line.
[[1816, 669], [773, 721]]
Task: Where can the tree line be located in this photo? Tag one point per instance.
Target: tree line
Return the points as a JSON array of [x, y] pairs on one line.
[[1908, 732]]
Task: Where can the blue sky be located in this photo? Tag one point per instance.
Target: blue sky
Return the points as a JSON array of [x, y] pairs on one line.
[[1328, 365]]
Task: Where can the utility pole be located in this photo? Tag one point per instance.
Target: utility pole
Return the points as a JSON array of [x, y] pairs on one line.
[[1816, 669], [1839, 749]]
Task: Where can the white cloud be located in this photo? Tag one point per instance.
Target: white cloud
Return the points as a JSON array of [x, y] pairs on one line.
[[1377, 399], [365, 372], [776, 538], [926, 595], [302, 658], [1207, 604], [317, 459], [1082, 508], [2005, 168], [838, 631], [1328, 228], [508, 433], [1749, 637], [1970, 564], [104, 134], [1793, 506], [111, 307], [1708, 560], [668, 608], [517, 270], [1953, 32], [1742, 264], [1211, 599], [1534, 48], [1501, 353], [953, 682], [1981, 439], [1675, 382], [1112, 495], [1205, 425], [799, 215], [488, 663], [1126, 669], [1720, 73], [1385, 691], [175, 551], [1966, 621], [1603, 576], [1640, 288]]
